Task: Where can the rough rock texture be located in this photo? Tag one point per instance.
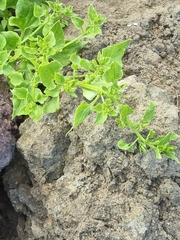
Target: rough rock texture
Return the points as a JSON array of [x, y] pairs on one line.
[[7, 142], [83, 187]]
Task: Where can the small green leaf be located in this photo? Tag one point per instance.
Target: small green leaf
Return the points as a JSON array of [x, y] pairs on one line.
[[47, 73], [36, 113], [4, 55], [3, 5], [101, 117], [38, 11], [16, 78], [50, 39], [20, 93], [58, 35], [85, 64], [114, 73], [126, 146], [53, 92], [78, 22], [12, 39], [115, 52], [168, 138], [51, 105], [83, 110], [88, 94], [149, 114], [2, 41]]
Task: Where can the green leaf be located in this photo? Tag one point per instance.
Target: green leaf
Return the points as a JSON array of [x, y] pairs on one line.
[[51, 105], [2, 41], [16, 78], [3, 5], [125, 111], [64, 56], [126, 146], [4, 55], [39, 96], [59, 78], [88, 94], [83, 110], [54, 92], [114, 73], [101, 117], [168, 138], [171, 155], [12, 39], [47, 73], [50, 39], [24, 15], [38, 11], [85, 64], [78, 22], [115, 52], [20, 93], [36, 113], [149, 114], [58, 35]]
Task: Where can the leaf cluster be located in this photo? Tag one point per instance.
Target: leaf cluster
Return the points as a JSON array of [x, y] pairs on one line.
[[34, 52]]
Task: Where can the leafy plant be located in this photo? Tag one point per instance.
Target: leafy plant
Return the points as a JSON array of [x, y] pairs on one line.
[[34, 52]]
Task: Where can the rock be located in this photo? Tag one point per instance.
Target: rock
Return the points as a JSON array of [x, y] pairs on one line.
[[84, 186], [7, 142]]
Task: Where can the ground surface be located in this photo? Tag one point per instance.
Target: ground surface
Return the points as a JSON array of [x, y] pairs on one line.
[[154, 56]]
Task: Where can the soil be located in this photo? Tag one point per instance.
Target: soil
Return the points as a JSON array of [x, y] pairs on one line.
[[153, 55]]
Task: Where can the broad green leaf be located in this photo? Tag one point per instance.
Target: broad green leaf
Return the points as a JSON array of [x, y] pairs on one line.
[[78, 22], [39, 96], [2, 41], [4, 55], [98, 108], [51, 105], [85, 64], [16, 78], [24, 15], [115, 52], [101, 117], [75, 59], [64, 56], [3, 5], [58, 35], [36, 113], [53, 93], [114, 73], [47, 73], [88, 94], [38, 11], [20, 93], [50, 39], [12, 39], [59, 78], [83, 110]]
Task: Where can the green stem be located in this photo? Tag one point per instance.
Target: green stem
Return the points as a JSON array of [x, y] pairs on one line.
[[89, 87]]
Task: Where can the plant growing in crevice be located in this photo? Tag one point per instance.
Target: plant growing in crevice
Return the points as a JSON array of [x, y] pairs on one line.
[[34, 52]]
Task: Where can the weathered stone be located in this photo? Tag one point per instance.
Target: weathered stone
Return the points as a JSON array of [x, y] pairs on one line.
[[7, 142]]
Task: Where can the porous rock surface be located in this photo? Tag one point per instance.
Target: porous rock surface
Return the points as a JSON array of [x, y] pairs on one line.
[[82, 186], [7, 142]]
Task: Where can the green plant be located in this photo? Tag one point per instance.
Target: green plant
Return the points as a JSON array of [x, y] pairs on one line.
[[34, 52]]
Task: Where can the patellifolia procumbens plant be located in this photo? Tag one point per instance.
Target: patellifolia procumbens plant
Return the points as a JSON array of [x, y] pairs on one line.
[[34, 52]]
